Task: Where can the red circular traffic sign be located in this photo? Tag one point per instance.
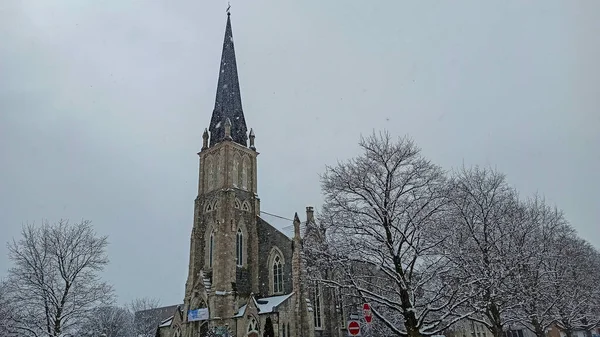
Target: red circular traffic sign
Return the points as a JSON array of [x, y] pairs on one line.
[[353, 328]]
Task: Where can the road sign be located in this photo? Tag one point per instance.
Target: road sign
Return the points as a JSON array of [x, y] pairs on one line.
[[353, 328], [367, 312]]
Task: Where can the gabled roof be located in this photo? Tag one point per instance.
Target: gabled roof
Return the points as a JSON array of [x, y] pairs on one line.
[[159, 314], [241, 311], [267, 305], [280, 224], [166, 322], [264, 305]]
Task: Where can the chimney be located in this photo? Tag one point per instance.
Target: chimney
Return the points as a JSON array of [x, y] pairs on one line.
[[310, 214]]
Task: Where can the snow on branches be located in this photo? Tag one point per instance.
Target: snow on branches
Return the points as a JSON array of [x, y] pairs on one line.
[[426, 249]]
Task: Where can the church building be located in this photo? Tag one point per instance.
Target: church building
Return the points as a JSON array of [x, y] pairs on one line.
[[245, 277]]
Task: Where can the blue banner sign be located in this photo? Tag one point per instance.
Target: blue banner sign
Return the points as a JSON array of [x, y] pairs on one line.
[[198, 314]]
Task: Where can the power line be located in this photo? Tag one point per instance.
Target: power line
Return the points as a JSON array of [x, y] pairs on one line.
[[281, 217], [277, 216]]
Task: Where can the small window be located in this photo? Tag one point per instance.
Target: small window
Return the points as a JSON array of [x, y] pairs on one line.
[[245, 206], [239, 248], [236, 204], [210, 206], [283, 329], [252, 326], [277, 275]]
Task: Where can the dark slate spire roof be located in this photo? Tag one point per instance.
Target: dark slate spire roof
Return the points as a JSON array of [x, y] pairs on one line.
[[228, 103]]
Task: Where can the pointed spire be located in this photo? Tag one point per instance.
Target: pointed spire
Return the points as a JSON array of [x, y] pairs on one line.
[[228, 101], [296, 226], [205, 140], [252, 136]]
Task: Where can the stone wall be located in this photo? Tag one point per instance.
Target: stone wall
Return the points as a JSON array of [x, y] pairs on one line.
[[269, 237]]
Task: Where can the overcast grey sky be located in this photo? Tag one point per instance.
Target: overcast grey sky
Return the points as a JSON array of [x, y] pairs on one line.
[[103, 104]]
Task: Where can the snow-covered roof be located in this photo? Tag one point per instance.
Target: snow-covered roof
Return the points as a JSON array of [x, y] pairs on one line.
[[166, 322], [241, 311], [267, 304], [279, 222]]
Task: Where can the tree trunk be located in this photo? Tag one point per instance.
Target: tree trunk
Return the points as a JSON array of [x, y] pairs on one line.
[[568, 332], [539, 330], [410, 319], [494, 317], [497, 330]]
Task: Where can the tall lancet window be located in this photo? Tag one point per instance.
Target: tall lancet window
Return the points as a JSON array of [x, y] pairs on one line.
[[210, 171], [211, 249], [239, 248], [245, 173], [277, 275], [235, 171], [317, 307]]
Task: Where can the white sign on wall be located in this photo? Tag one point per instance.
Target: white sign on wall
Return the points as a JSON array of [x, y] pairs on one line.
[[198, 314]]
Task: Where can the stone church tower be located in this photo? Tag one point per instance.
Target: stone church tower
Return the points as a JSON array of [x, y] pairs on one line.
[[245, 276], [224, 242]]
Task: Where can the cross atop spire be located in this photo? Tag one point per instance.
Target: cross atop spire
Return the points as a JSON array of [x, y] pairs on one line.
[[228, 102]]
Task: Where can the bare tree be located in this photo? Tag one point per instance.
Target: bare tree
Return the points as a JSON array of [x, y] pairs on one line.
[[379, 232], [109, 321], [534, 282], [489, 236], [7, 312], [55, 279], [576, 290], [146, 316]]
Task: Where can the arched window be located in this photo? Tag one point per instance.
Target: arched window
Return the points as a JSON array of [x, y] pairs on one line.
[[239, 248], [245, 173], [235, 170], [277, 275], [283, 329], [211, 249], [245, 206], [317, 307], [275, 266], [252, 326], [236, 203]]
